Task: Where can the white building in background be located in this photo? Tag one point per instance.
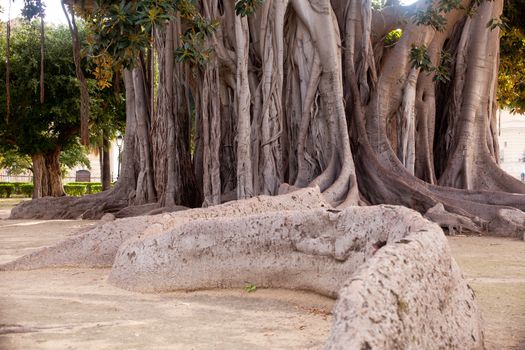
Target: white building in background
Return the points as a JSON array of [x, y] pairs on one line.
[[95, 171], [71, 176], [512, 143]]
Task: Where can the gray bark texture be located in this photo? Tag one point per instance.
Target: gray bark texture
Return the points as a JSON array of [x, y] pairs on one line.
[[305, 93]]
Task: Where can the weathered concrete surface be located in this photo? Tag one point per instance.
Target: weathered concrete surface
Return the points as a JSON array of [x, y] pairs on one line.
[[97, 247], [495, 268], [409, 295]]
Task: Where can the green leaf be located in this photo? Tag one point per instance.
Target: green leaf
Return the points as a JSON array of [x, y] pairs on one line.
[[250, 288], [245, 8]]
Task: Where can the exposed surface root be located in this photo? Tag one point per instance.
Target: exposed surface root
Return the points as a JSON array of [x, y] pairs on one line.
[[97, 247], [389, 267], [452, 221], [315, 250], [86, 207]]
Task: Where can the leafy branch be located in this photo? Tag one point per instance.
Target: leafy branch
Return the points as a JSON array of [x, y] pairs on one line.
[[245, 8], [420, 59]]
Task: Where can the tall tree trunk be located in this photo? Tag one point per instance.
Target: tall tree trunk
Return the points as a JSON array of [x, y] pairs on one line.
[[319, 90], [244, 167], [47, 176], [39, 176], [174, 176], [55, 187], [145, 191], [129, 155], [106, 163]]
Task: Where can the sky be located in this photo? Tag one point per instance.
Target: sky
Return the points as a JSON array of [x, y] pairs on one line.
[[54, 12]]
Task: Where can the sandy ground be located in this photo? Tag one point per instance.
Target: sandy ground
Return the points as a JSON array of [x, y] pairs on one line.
[[6, 204], [78, 309], [495, 269]]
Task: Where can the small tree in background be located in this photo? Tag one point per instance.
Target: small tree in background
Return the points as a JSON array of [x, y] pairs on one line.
[[41, 130]]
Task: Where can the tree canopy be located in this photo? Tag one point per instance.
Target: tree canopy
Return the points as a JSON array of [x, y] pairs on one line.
[[511, 89], [51, 127], [35, 127]]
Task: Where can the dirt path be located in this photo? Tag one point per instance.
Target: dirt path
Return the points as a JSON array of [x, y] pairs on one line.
[[6, 204], [78, 309], [495, 269]]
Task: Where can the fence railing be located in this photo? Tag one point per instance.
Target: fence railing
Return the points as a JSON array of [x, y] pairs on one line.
[[17, 178], [29, 178]]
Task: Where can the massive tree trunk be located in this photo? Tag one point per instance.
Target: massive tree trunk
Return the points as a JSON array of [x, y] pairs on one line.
[[174, 176], [47, 177], [306, 93]]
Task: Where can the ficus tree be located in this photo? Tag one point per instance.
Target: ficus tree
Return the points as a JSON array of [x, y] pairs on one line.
[[41, 131], [258, 97]]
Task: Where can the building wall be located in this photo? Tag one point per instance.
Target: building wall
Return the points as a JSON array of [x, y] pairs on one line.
[[94, 159], [512, 143]]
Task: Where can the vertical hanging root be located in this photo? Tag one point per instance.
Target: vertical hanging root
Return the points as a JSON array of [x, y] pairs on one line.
[[244, 166], [210, 105], [408, 132], [310, 95], [319, 19], [270, 114]]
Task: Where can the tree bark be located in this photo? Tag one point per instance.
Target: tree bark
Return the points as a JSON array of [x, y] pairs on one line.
[[244, 167], [39, 178], [56, 188], [307, 93], [106, 163], [174, 176], [145, 191], [47, 176]]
